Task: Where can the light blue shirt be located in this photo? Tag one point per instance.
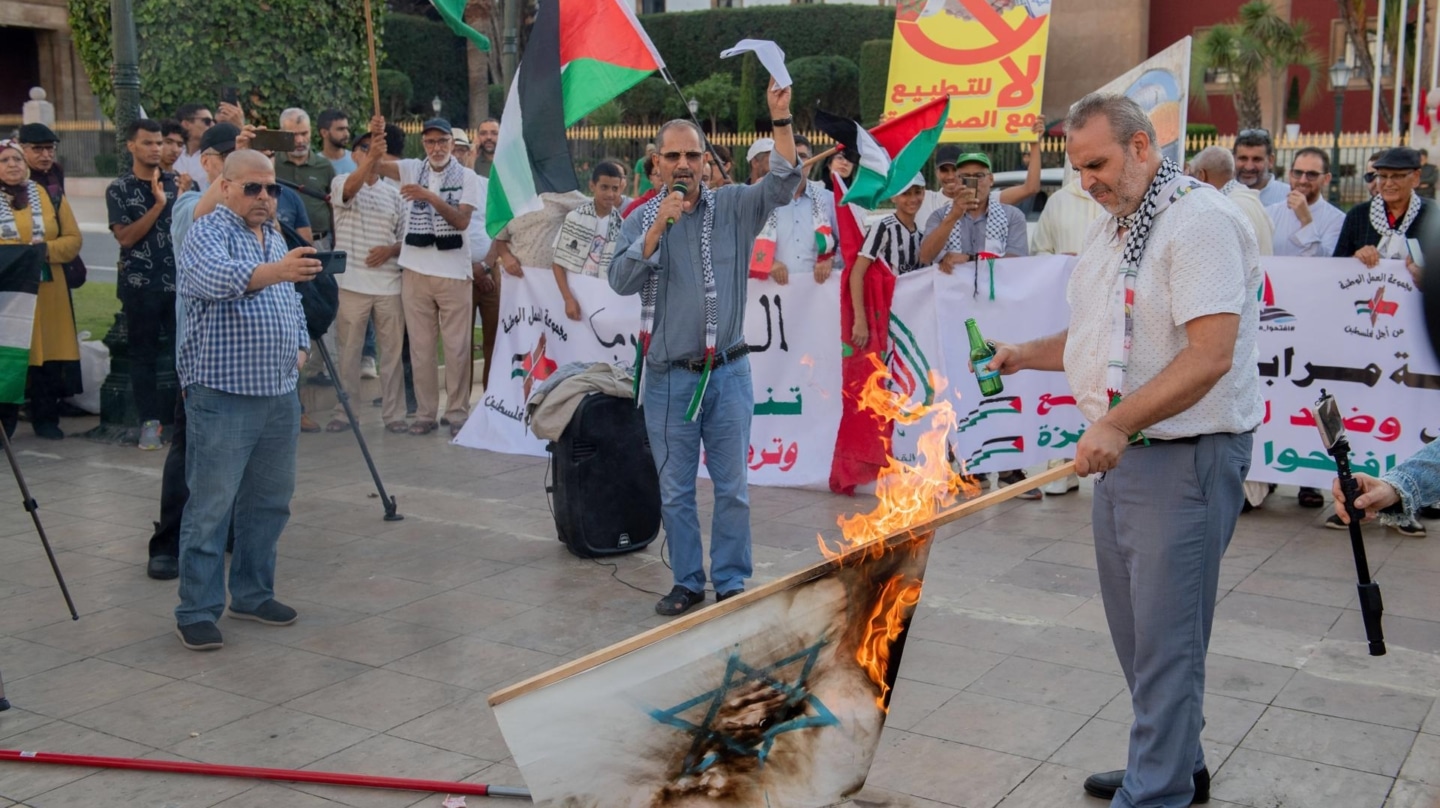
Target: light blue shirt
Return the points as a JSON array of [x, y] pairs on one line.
[[345, 164], [182, 215]]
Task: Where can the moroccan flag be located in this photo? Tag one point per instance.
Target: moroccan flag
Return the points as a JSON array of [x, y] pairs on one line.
[[892, 153], [583, 53], [20, 267], [453, 12]]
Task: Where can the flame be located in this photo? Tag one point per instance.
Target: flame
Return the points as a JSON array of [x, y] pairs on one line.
[[908, 494], [897, 601]]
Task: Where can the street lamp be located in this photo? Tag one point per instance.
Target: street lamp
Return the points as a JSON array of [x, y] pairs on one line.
[[435, 105], [1339, 80], [693, 106]]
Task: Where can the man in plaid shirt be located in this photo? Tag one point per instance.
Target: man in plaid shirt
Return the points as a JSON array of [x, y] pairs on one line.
[[244, 341]]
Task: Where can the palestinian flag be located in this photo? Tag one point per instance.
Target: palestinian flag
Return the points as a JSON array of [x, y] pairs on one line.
[[892, 153], [453, 12], [20, 268], [581, 54]]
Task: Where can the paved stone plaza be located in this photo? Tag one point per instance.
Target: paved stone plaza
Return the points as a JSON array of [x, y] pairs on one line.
[[1009, 691]]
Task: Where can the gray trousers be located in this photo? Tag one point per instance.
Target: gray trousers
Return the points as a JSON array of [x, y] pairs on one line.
[[1162, 520]]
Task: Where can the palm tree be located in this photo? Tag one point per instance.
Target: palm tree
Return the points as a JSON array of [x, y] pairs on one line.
[[1261, 46]]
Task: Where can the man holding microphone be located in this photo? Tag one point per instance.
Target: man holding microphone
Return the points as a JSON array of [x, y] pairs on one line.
[[686, 253]]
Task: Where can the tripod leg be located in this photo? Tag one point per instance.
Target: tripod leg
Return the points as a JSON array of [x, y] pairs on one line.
[[34, 508], [391, 513]]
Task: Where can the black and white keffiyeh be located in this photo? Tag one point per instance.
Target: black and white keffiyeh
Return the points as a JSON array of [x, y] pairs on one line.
[[426, 227], [650, 293], [1392, 239], [1170, 184], [997, 230], [9, 231]]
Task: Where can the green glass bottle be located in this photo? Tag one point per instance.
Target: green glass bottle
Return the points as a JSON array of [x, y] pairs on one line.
[[981, 352]]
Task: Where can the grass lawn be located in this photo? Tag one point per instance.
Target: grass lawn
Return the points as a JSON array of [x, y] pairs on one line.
[[96, 305]]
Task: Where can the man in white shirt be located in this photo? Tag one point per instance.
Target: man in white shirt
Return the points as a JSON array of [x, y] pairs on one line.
[[792, 236], [1255, 166], [437, 285], [1306, 225], [1217, 167], [1068, 213], [369, 223], [1172, 414]]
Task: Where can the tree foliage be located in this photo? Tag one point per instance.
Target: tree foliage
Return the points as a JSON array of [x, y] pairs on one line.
[[715, 95], [1261, 46], [279, 54], [831, 83], [434, 59], [750, 94], [874, 76], [396, 90], [645, 102]]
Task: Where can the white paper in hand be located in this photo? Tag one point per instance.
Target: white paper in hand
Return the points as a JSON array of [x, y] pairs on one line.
[[770, 56]]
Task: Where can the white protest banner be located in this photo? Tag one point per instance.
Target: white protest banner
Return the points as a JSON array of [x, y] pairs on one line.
[[1325, 323], [1332, 324]]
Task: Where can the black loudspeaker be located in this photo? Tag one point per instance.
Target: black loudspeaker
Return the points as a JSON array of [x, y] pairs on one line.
[[605, 492]]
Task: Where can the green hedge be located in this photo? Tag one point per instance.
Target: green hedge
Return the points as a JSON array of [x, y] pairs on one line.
[[691, 41], [434, 59], [874, 76]]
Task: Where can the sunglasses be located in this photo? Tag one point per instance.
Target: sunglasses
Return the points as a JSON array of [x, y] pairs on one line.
[[1265, 133], [1312, 176], [253, 189], [690, 156], [206, 121]]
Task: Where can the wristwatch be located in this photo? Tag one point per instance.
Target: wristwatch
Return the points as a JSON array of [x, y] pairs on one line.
[[785, 121]]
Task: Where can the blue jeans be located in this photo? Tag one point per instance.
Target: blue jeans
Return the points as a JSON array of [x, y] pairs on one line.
[[240, 454], [723, 425], [1162, 519]]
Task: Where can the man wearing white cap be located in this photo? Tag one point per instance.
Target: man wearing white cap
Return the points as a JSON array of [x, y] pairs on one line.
[[461, 148], [799, 235], [758, 158]]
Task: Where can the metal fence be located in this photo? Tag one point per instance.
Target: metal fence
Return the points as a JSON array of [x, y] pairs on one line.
[[86, 148]]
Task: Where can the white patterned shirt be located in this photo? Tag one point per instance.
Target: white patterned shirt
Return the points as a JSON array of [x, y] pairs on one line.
[[373, 217], [1202, 259], [1314, 240]]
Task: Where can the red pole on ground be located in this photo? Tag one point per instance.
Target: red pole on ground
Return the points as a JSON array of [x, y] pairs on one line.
[[256, 773]]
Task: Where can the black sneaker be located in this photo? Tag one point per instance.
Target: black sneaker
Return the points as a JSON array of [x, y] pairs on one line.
[[1410, 530], [202, 636], [1105, 784], [272, 613], [163, 568], [679, 601], [49, 431], [1430, 512], [1018, 476], [1333, 522]]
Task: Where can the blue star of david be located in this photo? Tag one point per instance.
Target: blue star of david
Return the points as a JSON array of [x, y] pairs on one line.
[[737, 674]]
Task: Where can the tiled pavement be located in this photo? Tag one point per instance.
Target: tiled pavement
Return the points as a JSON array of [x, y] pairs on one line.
[[1009, 692]]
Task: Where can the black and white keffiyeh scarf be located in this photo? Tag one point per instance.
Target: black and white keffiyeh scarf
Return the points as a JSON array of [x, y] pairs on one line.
[[426, 227], [9, 231], [1170, 184], [997, 231], [1393, 243], [650, 293]]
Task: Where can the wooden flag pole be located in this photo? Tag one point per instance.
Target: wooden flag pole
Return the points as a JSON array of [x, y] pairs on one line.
[[810, 573], [374, 74]]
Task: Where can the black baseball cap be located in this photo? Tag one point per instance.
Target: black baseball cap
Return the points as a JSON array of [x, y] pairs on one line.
[[439, 124], [220, 137], [1399, 157], [947, 154], [37, 133]]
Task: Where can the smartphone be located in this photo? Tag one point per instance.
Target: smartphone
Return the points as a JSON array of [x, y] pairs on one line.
[[332, 262], [273, 140], [971, 182], [230, 95]]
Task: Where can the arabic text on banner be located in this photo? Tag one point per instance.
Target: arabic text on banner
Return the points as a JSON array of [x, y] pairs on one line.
[[987, 55], [1325, 323]]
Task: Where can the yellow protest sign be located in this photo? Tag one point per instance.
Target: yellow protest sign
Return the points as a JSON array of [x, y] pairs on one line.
[[987, 55]]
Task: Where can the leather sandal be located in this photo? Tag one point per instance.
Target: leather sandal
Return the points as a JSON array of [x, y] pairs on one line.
[[397, 427], [423, 427], [337, 425]]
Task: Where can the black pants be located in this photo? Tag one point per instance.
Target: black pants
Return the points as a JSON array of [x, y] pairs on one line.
[[148, 316], [174, 493]]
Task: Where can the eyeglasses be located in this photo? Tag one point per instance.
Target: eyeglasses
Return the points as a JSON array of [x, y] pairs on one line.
[[205, 121], [982, 175], [253, 189], [1312, 176], [690, 156], [1388, 178]]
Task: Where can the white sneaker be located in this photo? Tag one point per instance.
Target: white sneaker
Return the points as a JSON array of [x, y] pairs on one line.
[[1062, 486], [367, 368]]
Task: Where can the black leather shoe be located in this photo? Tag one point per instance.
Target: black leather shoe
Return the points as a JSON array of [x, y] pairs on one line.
[[1105, 784], [723, 596], [163, 568], [678, 601]]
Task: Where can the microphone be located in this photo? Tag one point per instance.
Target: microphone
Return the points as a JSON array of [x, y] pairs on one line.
[[681, 189]]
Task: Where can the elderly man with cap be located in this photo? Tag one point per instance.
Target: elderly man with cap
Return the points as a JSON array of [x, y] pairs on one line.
[[1215, 166], [437, 281], [1382, 228], [462, 149], [799, 235], [757, 158]]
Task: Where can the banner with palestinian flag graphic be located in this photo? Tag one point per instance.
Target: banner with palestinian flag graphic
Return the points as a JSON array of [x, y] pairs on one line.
[[580, 55], [892, 153], [20, 268]]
